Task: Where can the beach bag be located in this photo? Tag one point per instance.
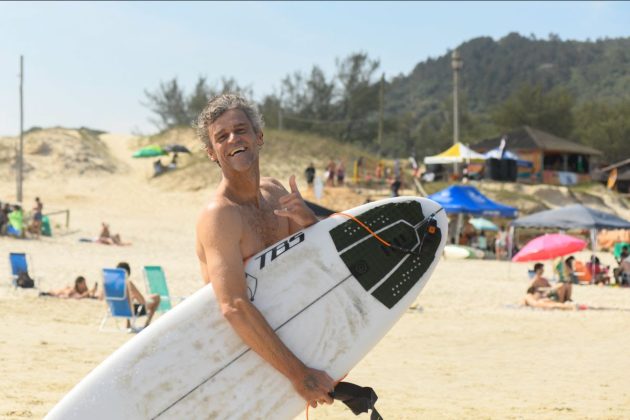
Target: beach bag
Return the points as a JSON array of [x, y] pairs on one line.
[[25, 281]]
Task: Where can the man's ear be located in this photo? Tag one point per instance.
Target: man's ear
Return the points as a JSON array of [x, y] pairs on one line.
[[259, 139], [211, 154]]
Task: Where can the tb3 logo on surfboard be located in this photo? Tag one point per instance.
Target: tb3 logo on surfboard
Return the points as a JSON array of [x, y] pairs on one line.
[[280, 249]]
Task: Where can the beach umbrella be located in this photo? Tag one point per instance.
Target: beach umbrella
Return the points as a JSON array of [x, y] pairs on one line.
[[483, 224], [549, 246], [176, 148], [149, 151]]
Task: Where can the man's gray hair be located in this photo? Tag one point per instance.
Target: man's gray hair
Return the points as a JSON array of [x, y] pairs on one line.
[[220, 104]]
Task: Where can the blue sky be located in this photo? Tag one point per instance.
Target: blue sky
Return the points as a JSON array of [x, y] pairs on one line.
[[89, 63]]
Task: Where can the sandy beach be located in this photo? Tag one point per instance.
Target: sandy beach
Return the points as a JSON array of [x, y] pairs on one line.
[[466, 351]]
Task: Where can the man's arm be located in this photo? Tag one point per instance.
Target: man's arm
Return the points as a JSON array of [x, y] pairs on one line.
[[224, 264]]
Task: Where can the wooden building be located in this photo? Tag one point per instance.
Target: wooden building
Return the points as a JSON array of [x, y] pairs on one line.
[[617, 176], [555, 160]]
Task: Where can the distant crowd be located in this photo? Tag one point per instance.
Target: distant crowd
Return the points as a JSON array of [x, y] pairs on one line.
[[335, 174], [14, 222]]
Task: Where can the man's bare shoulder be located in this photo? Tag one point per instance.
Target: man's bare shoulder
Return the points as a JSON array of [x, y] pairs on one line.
[[219, 214]]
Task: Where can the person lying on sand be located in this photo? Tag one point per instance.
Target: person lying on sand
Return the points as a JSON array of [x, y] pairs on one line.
[[536, 299], [79, 291]]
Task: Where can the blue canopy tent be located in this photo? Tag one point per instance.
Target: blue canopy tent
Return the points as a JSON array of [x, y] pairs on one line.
[[468, 199], [460, 199]]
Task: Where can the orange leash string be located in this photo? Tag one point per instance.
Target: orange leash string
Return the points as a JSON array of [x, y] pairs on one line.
[[364, 226]]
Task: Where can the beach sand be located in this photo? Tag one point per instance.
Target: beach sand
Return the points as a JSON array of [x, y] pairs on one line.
[[466, 351]]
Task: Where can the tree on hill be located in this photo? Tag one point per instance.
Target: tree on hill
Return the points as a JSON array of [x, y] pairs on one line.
[[174, 108], [605, 127], [531, 106]]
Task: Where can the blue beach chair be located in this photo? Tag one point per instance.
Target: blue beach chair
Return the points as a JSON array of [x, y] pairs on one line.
[[19, 264], [117, 297]]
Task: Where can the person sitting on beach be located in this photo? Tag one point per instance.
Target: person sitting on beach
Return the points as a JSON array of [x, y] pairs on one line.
[[625, 253], [624, 276], [141, 305], [536, 299], [599, 273], [79, 291], [569, 272], [173, 163], [560, 292], [105, 237]]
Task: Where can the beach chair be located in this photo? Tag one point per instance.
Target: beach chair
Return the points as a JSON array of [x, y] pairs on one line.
[[618, 247], [155, 281], [117, 297], [19, 264]]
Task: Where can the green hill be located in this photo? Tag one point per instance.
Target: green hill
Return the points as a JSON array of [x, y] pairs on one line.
[[492, 70]]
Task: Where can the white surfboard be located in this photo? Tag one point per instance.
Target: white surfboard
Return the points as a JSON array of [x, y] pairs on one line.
[[330, 292]]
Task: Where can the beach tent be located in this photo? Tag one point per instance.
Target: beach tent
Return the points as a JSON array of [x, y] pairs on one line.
[[467, 199], [575, 216], [457, 153], [496, 154]]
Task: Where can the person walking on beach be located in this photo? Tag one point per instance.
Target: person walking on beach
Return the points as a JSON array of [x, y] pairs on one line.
[[257, 212], [309, 172]]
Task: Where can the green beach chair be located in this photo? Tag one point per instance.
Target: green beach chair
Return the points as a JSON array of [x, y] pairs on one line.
[[618, 247], [155, 281]]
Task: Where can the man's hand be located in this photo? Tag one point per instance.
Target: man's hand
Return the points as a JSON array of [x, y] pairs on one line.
[[294, 207], [315, 386]]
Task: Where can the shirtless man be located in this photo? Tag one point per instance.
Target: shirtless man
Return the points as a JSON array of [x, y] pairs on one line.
[[249, 213]]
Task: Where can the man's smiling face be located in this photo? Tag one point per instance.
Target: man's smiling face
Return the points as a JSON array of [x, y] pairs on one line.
[[235, 144]]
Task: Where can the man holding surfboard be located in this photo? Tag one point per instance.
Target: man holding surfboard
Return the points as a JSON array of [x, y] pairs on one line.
[[248, 214]]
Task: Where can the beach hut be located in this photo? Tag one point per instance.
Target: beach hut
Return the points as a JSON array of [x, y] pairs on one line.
[[555, 160]]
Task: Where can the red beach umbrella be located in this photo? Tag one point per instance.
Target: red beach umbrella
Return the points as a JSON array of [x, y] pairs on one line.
[[549, 246]]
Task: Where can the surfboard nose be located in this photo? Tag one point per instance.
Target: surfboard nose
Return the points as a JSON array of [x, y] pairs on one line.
[[392, 258]]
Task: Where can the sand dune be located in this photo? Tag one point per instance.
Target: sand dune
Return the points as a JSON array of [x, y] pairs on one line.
[[468, 353]]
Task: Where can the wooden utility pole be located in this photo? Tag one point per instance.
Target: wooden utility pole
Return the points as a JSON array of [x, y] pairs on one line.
[[280, 117], [381, 100], [20, 154], [456, 64]]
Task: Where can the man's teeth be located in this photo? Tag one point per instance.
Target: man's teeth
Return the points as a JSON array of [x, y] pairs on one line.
[[235, 151]]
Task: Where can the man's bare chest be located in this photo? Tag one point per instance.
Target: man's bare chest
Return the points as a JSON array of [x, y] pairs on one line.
[[262, 228]]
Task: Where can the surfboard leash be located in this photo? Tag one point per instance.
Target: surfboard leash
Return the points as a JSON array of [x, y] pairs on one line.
[[430, 229], [357, 398]]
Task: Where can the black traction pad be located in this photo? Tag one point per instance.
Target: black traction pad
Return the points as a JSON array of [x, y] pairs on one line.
[[370, 261]]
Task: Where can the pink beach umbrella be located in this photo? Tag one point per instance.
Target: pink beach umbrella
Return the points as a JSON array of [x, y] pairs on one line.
[[549, 246]]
